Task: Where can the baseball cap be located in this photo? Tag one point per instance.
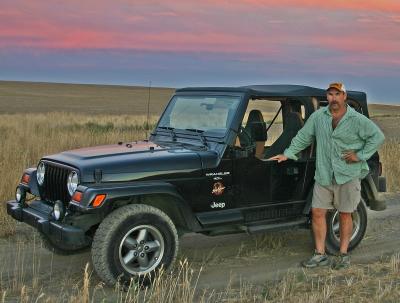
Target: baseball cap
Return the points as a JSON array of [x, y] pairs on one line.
[[337, 85]]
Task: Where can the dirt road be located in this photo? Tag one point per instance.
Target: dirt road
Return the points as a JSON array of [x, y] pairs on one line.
[[255, 258], [240, 257]]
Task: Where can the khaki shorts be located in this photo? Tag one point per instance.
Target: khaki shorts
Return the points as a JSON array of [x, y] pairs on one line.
[[344, 197]]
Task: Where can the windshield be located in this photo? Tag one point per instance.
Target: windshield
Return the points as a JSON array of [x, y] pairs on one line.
[[209, 114]]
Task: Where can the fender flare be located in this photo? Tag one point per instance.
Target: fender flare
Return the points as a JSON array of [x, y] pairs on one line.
[[32, 186], [118, 192]]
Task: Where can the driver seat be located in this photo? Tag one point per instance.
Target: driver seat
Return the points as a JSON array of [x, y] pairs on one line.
[[254, 133], [293, 123]]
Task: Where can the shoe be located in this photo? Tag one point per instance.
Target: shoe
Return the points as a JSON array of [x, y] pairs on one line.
[[342, 261], [316, 260]]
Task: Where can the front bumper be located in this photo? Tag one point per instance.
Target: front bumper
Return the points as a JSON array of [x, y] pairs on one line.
[[38, 214]]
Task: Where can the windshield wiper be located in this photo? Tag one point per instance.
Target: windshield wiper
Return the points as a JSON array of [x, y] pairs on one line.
[[200, 133], [172, 131], [183, 144]]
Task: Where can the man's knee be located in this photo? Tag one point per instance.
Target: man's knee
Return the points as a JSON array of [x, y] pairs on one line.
[[345, 216], [319, 213]]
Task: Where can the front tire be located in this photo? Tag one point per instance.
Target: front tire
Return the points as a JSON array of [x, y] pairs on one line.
[[333, 234], [134, 241]]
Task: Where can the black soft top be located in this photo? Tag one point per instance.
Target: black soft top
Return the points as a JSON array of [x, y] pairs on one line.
[[280, 90]]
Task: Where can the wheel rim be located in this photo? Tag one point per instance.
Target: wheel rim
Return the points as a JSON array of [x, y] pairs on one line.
[[141, 249], [335, 225]]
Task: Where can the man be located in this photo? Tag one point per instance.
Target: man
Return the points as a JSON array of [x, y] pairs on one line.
[[345, 140]]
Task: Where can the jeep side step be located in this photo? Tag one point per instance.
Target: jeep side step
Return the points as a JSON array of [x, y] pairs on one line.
[[258, 228], [277, 226]]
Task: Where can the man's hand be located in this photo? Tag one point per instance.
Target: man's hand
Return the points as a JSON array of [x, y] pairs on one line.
[[279, 158], [350, 156]]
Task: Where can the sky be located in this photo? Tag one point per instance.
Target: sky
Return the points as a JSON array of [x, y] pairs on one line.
[[179, 43]]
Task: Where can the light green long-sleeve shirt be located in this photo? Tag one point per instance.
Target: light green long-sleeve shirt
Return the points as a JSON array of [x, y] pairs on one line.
[[353, 132]]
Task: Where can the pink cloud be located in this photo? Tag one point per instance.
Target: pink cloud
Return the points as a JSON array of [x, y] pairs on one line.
[[71, 38], [249, 26], [354, 44], [354, 5]]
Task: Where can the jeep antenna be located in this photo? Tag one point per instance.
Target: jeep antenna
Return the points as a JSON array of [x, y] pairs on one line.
[[148, 112]]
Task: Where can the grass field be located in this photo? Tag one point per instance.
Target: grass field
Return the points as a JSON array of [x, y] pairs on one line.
[[375, 282], [48, 118], [28, 97], [28, 137], [38, 119]]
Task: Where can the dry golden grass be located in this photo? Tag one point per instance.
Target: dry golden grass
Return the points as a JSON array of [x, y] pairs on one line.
[[381, 110], [28, 137], [375, 282], [389, 155], [43, 129], [30, 97]]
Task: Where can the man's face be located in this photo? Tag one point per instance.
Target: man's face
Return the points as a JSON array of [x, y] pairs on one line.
[[336, 99]]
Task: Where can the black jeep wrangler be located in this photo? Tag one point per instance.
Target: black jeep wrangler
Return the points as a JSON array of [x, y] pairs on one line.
[[204, 169]]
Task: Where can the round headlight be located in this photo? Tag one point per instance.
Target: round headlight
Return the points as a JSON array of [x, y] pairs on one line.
[[58, 210], [73, 181], [41, 169], [20, 195]]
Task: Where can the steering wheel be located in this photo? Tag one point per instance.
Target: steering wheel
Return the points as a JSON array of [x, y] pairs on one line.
[[246, 141]]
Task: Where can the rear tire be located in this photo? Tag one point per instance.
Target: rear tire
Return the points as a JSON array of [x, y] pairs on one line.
[[359, 227], [134, 241]]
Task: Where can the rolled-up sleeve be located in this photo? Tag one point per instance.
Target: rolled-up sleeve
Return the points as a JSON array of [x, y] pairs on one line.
[[373, 137]]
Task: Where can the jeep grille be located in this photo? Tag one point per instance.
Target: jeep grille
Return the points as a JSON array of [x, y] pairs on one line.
[[55, 183]]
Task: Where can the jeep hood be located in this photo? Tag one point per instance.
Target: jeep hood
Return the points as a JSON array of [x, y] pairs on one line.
[[141, 160]]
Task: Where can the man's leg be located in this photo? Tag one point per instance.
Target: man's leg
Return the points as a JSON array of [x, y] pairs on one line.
[[346, 230], [319, 228], [322, 201], [319, 258], [347, 198]]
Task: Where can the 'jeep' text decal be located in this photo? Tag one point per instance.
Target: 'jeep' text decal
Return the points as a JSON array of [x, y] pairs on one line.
[[217, 205]]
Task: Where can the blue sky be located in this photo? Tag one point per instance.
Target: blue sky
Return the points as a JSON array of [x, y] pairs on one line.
[[192, 43]]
